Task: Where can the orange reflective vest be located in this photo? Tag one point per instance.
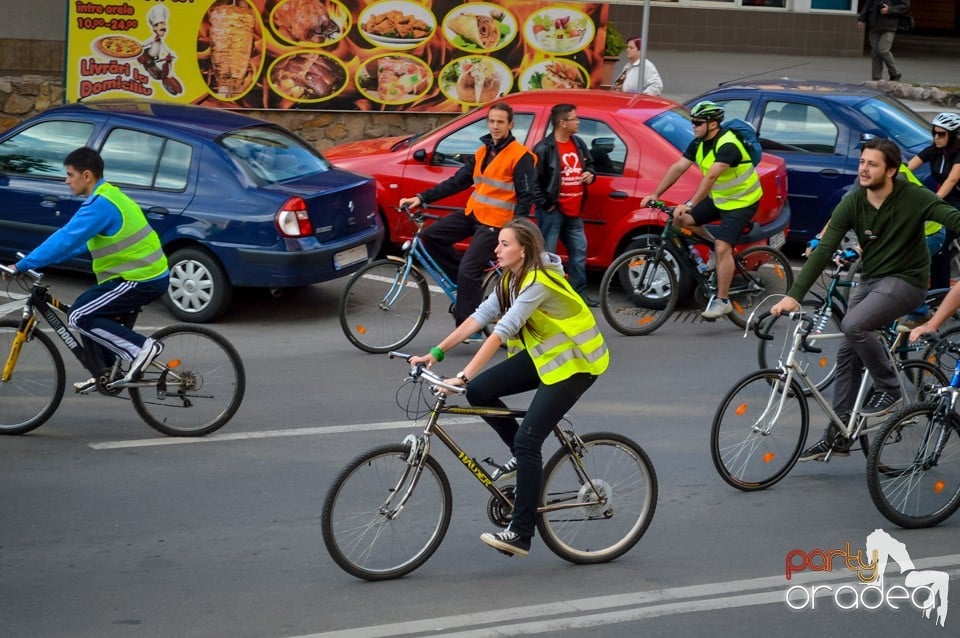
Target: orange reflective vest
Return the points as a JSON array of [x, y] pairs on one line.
[[494, 196]]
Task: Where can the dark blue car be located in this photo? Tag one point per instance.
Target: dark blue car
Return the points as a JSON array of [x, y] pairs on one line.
[[236, 201], [815, 127]]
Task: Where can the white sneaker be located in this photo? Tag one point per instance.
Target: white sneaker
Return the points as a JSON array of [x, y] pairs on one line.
[[83, 387], [151, 348], [716, 309]]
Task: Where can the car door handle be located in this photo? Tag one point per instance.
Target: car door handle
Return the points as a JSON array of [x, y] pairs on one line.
[[830, 172], [619, 194], [50, 201], [158, 210]]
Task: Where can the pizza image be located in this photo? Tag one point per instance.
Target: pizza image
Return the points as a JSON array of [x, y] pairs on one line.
[[119, 46]]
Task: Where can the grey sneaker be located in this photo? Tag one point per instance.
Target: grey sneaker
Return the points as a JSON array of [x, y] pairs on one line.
[[151, 348], [506, 471], [83, 387], [880, 402], [716, 308], [507, 542]]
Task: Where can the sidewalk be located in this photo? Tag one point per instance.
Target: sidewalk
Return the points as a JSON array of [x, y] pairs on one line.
[[688, 74]]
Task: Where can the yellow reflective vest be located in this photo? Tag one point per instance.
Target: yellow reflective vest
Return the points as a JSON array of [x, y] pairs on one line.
[[134, 252], [560, 347], [736, 187], [929, 227], [494, 196]]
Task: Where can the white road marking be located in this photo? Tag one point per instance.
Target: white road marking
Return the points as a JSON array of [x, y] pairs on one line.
[[603, 610], [270, 434]]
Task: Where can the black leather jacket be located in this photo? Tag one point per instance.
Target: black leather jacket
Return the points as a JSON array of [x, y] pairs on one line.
[[876, 21], [548, 169]]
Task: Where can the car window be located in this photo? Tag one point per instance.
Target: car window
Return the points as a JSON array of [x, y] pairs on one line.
[[464, 142], [906, 127], [39, 151], [609, 152], [735, 109], [674, 126], [271, 155], [135, 158], [793, 126]]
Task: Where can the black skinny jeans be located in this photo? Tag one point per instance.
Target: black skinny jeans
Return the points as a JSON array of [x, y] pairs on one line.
[[439, 239], [550, 403]]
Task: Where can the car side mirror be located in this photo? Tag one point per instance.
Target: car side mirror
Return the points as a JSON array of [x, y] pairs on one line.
[[602, 144], [420, 155]]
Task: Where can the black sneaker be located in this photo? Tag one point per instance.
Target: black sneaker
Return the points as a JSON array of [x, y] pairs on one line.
[[590, 301], [151, 348], [880, 402], [506, 471], [507, 542], [831, 440]]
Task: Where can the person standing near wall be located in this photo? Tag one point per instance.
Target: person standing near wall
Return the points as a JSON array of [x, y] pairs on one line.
[[629, 79], [881, 18]]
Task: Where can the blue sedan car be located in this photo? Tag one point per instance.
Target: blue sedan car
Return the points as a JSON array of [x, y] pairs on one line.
[[236, 201], [815, 127]]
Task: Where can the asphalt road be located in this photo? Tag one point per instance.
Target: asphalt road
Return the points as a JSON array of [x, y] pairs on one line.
[[109, 529]]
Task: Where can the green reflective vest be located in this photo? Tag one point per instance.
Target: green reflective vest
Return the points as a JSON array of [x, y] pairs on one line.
[[560, 346], [134, 252], [736, 187]]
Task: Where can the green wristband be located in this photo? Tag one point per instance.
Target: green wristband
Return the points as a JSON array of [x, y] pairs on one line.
[[437, 353]]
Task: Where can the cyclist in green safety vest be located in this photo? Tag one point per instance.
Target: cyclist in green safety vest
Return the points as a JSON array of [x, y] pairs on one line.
[[128, 261], [729, 191], [554, 347]]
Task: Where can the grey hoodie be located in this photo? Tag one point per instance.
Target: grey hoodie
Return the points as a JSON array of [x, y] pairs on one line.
[[534, 296]]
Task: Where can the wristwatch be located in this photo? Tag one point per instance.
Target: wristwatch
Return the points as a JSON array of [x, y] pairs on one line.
[[463, 377]]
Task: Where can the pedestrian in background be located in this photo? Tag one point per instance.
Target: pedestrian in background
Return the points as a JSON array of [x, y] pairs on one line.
[[564, 168], [881, 18], [629, 79]]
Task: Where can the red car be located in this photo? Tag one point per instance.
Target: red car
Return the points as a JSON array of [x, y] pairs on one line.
[[633, 139]]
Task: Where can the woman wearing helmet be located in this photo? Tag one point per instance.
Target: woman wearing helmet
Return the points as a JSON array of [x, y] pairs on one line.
[[729, 191], [944, 158]]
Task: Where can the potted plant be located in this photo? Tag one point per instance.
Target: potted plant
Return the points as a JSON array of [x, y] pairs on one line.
[[612, 49]]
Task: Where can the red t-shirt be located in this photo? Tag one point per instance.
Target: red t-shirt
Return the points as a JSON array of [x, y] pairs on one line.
[[570, 197]]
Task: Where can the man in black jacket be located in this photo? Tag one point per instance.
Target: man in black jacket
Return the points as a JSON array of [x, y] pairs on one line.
[[564, 168], [881, 18]]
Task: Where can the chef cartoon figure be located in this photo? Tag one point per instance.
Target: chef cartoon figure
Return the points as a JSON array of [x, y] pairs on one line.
[[157, 58]]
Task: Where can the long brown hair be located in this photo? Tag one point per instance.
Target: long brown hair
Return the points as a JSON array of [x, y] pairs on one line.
[[531, 241]]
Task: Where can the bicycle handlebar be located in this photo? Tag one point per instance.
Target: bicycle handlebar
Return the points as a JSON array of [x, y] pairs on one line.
[[10, 272], [420, 372], [662, 207]]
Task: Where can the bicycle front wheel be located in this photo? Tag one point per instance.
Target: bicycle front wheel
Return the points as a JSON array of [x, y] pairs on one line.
[[821, 366], [380, 309], [368, 529], [196, 384], [35, 388], [763, 279], [944, 352], [759, 431], [638, 292], [605, 499], [913, 470]]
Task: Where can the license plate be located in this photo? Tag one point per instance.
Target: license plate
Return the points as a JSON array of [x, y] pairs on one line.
[[777, 240], [349, 257]]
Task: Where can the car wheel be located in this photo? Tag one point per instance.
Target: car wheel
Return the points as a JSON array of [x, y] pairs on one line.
[[199, 290], [685, 280]]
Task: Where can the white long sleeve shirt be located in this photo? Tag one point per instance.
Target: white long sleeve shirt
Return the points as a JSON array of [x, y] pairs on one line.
[[652, 83]]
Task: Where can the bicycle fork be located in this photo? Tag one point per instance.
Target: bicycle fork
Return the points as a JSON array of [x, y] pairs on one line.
[[19, 338], [416, 457]]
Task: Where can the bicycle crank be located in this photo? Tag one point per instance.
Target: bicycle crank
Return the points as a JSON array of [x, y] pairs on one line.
[[499, 512]]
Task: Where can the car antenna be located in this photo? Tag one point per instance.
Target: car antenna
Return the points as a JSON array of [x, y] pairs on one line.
[[747, 77]]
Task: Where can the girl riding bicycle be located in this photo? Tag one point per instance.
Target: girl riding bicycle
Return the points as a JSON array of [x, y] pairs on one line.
[[553, 346]]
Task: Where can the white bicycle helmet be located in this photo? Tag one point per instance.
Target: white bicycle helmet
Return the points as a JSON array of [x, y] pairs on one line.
[[947, 121]]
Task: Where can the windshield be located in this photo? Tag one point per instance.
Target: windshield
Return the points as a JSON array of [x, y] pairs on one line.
[[271, 155], [896, 122], [674, 126]]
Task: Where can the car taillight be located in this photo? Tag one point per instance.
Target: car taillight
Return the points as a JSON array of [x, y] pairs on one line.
[[292, 219]]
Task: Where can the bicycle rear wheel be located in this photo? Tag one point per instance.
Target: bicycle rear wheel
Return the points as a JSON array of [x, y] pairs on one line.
[[35, 388], [759, 430], [913, 470], [196, 384], [769, 277], [380, 310], [367, 528], [594, 531], [821, 366], [638, 292]]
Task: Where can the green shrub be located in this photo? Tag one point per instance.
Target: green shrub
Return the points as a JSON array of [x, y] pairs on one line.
[[615, 44]]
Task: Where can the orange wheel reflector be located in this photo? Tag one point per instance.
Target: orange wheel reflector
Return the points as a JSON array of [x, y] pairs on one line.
[[741, 409], [737, 306], [644, 321], [769, 456], [174, 363], [361, 330], [938, 486], [824, 361], [779, 271], [637, 262]]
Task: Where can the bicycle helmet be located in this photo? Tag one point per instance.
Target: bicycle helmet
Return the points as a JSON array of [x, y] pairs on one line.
[[707, 110], [947, 121]]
